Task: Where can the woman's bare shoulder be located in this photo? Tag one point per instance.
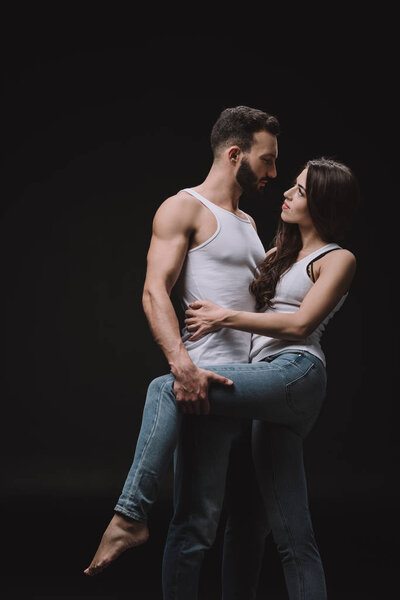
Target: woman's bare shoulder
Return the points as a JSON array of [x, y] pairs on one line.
[[341, 256]]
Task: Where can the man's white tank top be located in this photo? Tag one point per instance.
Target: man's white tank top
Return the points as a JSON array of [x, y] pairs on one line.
[[221, 270], [289, 294]]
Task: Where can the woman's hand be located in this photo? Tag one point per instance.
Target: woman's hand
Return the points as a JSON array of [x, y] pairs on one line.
[[203, 317]]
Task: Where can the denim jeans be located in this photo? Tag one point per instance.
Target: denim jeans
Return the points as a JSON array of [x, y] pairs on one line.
[[214, 458], [283, 394]]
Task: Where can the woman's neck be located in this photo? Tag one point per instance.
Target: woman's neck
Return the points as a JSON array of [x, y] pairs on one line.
[[310, 241]]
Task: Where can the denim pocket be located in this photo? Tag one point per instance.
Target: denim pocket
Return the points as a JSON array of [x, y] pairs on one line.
[[306, 391]]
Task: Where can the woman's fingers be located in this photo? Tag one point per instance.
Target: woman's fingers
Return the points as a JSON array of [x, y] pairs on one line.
[[196, 304], [192, 324], [195, 336]]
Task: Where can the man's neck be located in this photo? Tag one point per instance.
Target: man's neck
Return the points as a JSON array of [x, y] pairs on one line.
[[220, 188]]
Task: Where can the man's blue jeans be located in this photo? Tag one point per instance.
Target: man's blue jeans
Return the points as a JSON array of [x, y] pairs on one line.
[[214, 458], [284, 395]]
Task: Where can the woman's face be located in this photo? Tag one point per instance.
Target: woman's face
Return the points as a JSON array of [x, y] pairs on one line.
[[295, 207]]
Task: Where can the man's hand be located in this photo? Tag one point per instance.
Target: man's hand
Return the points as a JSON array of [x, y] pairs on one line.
[[191, 388]]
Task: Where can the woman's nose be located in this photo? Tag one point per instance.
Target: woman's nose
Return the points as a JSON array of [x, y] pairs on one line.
[[288, 193]]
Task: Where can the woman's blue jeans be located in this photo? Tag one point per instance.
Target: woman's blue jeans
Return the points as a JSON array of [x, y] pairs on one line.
[[283, 395]]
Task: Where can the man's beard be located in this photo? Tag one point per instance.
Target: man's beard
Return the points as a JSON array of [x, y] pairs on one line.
[[248, 180]]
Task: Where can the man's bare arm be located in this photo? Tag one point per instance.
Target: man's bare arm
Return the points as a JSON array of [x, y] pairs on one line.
[[165, 258], [173, 226]]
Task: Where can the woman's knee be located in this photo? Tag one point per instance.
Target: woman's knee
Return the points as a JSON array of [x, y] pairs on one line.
[[159, 384]]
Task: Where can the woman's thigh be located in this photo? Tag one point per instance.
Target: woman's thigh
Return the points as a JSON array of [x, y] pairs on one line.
[[288, 389]]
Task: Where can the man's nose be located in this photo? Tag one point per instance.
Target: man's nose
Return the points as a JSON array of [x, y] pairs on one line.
[[272, 172]]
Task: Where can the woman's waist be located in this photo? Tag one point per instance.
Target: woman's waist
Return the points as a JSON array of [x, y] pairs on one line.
[[263, 347]]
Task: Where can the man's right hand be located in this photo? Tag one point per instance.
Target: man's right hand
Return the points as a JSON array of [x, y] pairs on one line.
[[191, 389]]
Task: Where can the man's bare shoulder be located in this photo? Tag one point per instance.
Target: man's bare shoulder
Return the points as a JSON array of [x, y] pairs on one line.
[[181, 201], [178, 211]]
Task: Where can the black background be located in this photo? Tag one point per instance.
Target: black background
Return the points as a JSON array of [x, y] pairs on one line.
[[104, 118]]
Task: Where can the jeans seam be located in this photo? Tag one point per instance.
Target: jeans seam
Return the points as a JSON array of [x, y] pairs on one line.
[[182, 547], [288, 395], [286, 526], [140, 462]]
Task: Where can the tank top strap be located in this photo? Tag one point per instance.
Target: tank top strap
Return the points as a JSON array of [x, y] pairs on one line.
[[203, 200], [218, 211], [319, 254]]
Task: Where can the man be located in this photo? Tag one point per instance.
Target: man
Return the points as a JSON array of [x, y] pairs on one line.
[[205, 246]]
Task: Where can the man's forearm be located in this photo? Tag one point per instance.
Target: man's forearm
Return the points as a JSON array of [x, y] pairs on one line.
[[164, 326]]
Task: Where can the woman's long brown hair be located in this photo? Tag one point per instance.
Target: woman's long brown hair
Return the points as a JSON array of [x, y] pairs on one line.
[[332, 196]]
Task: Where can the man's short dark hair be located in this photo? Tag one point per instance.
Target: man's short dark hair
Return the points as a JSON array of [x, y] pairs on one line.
[[236, 126]]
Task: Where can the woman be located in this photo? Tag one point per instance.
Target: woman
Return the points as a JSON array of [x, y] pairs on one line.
[[302, 282]]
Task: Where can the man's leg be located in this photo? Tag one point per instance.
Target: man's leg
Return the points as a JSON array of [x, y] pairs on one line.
[[278, 458], [247, 525], [201, 466]]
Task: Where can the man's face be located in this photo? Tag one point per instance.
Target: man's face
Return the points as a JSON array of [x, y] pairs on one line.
[[258, 165]]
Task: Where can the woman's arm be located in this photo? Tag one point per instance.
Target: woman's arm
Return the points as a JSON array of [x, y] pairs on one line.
[[334, 278]]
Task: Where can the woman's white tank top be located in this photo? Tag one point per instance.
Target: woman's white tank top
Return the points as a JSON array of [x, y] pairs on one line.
[[221, 270], [289, 294]]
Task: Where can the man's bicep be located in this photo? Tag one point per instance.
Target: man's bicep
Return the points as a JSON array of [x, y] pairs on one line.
[[172, 228], [165, 259]]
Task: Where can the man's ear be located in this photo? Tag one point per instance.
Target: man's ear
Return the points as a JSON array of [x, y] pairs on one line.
[[234, 153]]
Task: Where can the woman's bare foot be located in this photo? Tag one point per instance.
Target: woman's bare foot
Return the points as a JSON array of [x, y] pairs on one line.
[[122, 533]]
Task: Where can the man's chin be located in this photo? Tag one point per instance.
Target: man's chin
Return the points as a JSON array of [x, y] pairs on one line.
[[257, 192]]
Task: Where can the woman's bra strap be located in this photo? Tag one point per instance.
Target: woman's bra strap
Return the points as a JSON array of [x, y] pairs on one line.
[[310, 268]]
